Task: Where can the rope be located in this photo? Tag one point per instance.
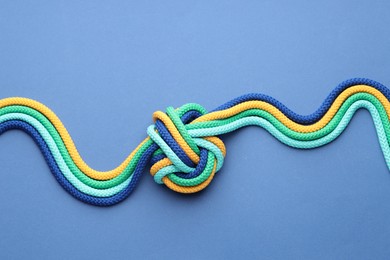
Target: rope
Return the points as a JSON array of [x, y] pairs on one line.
[[183, 144]]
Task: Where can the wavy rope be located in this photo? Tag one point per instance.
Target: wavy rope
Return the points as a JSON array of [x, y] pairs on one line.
[[183, 144]]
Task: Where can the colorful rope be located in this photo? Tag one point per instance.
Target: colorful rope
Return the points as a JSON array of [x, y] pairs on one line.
[[183, 144]]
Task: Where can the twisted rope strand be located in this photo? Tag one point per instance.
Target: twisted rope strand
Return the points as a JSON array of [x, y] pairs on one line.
[[183, 144]]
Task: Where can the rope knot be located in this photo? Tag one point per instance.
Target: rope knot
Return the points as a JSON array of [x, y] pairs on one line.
[[183, 162]]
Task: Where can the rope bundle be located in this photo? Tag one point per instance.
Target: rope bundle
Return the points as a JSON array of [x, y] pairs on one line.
[[183, 144], [183, 163]]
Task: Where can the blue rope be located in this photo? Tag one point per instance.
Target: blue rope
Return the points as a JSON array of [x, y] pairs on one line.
[[318, 114]]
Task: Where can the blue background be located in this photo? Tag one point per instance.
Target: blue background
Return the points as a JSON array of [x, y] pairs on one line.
[[105, 66]]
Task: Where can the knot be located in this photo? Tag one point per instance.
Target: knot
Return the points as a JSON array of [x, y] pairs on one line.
[[183, 162]]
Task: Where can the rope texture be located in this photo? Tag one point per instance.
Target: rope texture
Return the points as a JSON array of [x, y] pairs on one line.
[[183, 145]]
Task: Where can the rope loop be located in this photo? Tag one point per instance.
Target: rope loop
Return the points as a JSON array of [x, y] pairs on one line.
[[182, 162]]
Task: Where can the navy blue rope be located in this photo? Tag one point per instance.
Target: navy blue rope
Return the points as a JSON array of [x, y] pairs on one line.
[[158, 157], [97, 201], [199, 168], [171, 142], [108, 201], [318, 114], [186, 118], [190, 116]]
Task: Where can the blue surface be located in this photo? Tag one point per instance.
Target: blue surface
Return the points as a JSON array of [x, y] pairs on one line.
[[88, 60]]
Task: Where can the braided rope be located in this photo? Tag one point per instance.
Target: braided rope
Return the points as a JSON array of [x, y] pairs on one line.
[[183, 144]]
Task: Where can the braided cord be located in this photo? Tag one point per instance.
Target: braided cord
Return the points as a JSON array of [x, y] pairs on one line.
[[183, 144]]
